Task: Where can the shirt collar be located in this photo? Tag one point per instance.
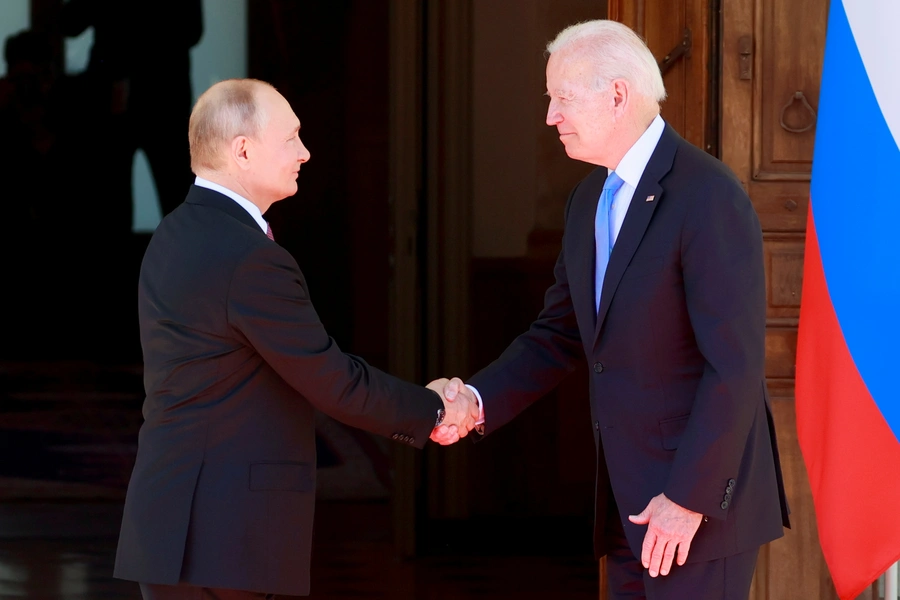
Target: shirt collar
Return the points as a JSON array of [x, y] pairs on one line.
[[632, 165], [246, 204]]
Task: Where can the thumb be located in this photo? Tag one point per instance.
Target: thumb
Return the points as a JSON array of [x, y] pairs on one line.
[[641, 519], [452, 389]]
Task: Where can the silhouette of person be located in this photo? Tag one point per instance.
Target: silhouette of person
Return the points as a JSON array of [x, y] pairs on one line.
[[140, 65]]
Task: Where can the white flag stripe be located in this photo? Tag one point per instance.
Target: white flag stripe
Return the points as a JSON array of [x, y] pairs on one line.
[[875, 25]]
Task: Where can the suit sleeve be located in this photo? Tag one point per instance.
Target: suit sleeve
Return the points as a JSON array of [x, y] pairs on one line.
[[269, 306], [724, 284], [536, 361]]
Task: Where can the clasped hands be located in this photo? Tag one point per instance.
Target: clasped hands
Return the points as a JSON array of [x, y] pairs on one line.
[[461, 410]]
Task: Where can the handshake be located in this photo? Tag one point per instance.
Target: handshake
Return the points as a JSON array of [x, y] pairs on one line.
[[462, 410]]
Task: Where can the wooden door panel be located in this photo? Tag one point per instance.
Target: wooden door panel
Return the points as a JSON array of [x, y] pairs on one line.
[[784, 275], [781, 350], [781, 205], [789, 41]]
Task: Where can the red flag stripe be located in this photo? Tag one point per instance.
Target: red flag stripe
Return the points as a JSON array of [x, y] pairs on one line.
[[849, 449]]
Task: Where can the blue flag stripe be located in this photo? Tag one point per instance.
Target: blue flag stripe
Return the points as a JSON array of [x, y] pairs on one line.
[[857, 214]]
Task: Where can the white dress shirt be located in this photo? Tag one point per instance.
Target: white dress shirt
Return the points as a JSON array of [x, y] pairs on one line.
[[246, 204], [631, 169]]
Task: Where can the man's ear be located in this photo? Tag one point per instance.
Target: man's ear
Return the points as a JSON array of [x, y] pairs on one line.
[[621, 95], [239, 151]]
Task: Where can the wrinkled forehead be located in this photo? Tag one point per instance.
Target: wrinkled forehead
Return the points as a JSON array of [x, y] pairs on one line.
[[568, 71]]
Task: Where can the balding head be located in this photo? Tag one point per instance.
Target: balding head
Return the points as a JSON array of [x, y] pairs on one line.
[[245, 137], [228, 109]]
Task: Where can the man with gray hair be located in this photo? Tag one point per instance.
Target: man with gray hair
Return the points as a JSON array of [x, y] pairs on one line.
[[220, 503], [660, 285]]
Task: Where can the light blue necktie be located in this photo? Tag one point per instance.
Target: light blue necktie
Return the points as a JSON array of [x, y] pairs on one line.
[[603, 232]]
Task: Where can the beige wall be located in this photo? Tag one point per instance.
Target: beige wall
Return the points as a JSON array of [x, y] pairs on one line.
[[521, 175]]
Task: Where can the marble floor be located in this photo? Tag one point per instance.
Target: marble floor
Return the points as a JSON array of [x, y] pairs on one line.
[[64, 551]]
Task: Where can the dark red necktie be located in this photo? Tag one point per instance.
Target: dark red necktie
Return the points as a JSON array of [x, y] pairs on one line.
[[269, 232]]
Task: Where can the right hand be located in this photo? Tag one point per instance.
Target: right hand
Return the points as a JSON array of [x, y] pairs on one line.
[[461, 410]]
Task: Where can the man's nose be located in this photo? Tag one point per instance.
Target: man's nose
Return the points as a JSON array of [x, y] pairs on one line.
[[553, 116], [304, 153]]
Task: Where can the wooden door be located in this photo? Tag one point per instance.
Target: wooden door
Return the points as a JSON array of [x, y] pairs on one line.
[[771, 63]]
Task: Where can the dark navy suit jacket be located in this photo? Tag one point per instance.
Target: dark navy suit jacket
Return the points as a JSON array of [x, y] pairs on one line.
[[235, 363], [676, 353]]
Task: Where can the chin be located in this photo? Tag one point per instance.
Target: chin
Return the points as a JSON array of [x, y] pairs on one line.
[[573, 153]]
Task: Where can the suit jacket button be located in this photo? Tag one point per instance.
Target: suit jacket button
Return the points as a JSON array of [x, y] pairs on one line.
[[597, 425], [729, 490], [412, 440], [727, 497], [598, 367], [395, 436], [732, 482], [724, 505]]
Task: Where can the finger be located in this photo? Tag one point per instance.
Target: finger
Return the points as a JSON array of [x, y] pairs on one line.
[[452, 435], [440, 434], [647, 548], [469, 422], [656, 557], [668, 555], [683, 549], [641, 519], [447, 432], [446, 441], [452, 389], [438, 439]]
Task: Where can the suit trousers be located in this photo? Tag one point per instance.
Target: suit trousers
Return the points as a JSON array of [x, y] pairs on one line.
[[726, 578], [183, 591]]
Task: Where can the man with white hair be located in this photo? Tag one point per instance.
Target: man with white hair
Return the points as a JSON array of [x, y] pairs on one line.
[[220, 503], [660, 285]]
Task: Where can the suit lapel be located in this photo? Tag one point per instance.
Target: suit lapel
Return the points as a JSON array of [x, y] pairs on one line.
[[581, 250], [637, 219]]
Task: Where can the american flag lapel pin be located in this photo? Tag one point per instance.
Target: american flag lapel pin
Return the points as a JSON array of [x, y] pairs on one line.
[[649, 198]]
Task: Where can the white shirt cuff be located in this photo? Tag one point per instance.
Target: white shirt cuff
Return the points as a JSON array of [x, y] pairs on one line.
[[480, 420]]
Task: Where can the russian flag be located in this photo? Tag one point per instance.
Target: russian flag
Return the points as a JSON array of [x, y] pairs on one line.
[[848, 364]]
